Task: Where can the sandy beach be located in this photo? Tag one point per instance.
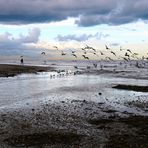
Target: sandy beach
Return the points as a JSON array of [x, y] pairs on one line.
[[83, 108]]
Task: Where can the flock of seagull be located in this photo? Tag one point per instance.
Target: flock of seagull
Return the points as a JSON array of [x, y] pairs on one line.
[[128, 54], [108, 54]]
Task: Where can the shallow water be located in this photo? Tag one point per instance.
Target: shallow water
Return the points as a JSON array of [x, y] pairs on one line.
[[34, 88]]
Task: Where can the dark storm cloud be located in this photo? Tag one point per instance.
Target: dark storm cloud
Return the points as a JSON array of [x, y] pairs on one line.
[[81, 38], [34, 11], [10, 45], [124, 12], [89, 13]]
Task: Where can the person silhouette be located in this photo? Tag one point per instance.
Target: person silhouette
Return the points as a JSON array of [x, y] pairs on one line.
[[22, 60]]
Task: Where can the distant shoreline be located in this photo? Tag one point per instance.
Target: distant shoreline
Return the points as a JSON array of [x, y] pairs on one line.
[[10, 70]]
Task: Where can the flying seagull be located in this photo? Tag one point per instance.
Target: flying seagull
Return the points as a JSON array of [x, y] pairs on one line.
[[129, 50], [107, 47], [85, 57], [55, 47], [113, 53], [74, 55], [63, 53], [126, 54], [43, 53]]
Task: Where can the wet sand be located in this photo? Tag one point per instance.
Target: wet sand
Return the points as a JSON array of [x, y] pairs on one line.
[[87, 125], [7, 70]]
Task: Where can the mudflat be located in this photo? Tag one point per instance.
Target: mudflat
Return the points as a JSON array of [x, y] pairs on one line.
[[8, 70]]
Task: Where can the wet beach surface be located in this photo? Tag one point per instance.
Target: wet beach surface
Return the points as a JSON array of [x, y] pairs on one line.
[[73, 110]]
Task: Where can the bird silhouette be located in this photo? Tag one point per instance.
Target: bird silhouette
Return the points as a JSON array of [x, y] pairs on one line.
[[83, 49], [63, 53], [101, 53], [93, 49], [95, 65], [113, 53], [107, 47], [55, 47], [108, 58], [129, 50], [127, 55], [74, 55], [43, 53], [76, 67], [87, 47], [125, 59], [85, 57], [95, 53], [73, 51]]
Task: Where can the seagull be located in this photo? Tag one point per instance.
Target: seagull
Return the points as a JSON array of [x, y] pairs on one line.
[[63, 53], [74, 55], [126, 55], [113, 53], [93, 49], [101, 53], [95, 65], [85, 57], [76, 67], [129, 50], [87, 47], [95, 53], [109, 58], [83, 49], [126, 59], [73, 51], [43, 53], [55, 47], [107, 47]]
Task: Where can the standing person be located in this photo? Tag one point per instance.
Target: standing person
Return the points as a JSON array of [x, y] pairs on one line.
[[22, 60]]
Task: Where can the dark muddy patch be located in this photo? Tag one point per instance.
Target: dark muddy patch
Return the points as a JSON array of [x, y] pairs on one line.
[[132, 87], [128, 141], [132, 131], [7, 70], [137, 121], [40, 139], [100, 121]]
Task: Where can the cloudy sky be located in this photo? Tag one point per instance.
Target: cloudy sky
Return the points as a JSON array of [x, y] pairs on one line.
[[31, 26]]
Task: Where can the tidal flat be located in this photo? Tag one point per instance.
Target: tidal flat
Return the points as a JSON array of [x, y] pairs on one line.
[[68, 107]]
